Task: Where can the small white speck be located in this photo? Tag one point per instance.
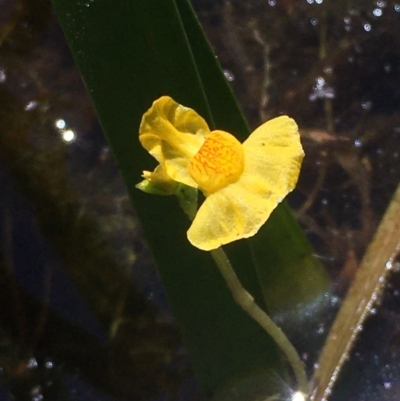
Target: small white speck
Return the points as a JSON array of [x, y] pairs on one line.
[[32, 363], [367, 27], [60, 123], [377, 12], [366, 105], [229, 76], [68, 135], [31, 105], [334, 301], [387, 67]]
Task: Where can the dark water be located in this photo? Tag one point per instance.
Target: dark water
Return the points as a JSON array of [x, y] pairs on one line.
[[65, 214]]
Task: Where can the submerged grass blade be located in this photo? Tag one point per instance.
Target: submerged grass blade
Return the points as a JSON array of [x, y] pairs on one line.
[[364, 291], [129, 54]]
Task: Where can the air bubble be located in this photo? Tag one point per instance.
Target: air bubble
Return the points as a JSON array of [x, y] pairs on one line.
[[367, 27], [366, 105], [32, 363], [31, 105], [387, 67], [229, 76], [60, 123], [334, 301], [377, 12]]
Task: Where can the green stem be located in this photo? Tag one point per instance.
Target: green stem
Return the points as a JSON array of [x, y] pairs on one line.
[[246, 301]]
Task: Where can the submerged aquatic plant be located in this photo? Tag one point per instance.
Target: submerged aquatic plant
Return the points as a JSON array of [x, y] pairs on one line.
[[242, 183]]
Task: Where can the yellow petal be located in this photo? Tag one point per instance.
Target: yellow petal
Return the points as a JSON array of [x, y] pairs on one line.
[[233, 213], [273, 156], [218, 163], [173, 134]]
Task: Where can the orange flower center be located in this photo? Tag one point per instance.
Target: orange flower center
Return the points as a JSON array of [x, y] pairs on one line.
[[218, 163]]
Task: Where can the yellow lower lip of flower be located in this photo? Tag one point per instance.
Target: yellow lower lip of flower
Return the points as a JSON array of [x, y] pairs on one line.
[[218, 163]]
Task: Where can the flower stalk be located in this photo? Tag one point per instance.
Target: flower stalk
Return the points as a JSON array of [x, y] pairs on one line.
[[247, 303]]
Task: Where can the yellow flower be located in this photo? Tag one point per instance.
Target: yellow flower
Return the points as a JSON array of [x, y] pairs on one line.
[[243, 183]]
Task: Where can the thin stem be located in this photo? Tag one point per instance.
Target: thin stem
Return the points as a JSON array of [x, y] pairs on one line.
[[246, 301]]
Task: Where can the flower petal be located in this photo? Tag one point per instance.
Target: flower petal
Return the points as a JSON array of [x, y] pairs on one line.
[[274, 154], [233, 213], [173, 134]]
